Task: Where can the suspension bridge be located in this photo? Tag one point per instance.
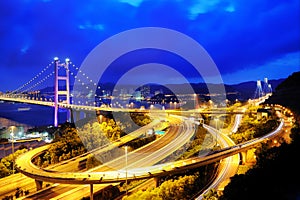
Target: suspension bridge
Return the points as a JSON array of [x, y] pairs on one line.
[[40, 91], [62, 74]]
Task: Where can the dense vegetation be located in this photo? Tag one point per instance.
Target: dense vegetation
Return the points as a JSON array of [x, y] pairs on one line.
[[287, 93], [276, 174], [6, 163], [70, 141], [186, 185], [183, 186], [66, 145], [252, 127]]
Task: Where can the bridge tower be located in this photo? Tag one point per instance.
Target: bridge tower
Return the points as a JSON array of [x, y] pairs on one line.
[[270, 88], [258, 91], [266, 86], [57, 92]]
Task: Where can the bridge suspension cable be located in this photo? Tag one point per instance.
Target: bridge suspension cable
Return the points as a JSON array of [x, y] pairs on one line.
[[85, 81], [38, 82], [34, 81]]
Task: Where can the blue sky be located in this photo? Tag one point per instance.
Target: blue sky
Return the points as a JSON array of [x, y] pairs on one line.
[[248, 40]]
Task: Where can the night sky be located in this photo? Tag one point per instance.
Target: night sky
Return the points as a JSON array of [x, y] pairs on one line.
[[248, 40]]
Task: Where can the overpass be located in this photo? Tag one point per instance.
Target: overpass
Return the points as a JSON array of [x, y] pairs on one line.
[[24, 165]]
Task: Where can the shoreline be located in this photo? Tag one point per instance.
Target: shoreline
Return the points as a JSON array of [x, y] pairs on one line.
[[5, 123]]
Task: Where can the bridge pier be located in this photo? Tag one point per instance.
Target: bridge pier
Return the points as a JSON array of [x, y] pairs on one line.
[[39, 184], [91, 192], [70, 115], [157, 181], [84, 115], [244, 157], [77, 115]]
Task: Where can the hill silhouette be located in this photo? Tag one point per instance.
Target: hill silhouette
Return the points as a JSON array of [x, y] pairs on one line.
[[288, 93]]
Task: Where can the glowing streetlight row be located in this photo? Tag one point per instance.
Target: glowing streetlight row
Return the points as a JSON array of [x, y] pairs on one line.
[[33, 79]]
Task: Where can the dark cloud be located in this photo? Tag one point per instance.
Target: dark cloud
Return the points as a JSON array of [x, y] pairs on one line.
[[237, 34]]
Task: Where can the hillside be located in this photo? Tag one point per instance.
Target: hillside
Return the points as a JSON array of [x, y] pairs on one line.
[[288, 93], [242, 91]]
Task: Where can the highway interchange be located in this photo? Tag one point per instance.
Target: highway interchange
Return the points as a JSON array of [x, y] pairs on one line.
[[141, 163], [145, 156]]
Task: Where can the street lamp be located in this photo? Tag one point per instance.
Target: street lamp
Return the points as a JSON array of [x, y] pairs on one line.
[[12, 147], [126, 160], [195, 100], [217, 120]]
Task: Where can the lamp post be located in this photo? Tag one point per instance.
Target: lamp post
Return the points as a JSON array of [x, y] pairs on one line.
[[12, 147], [195, 100], [126, 160], [217, 120]]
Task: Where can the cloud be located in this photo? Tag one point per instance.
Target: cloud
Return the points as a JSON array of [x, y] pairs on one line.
[[201, 7], [237, 34], [88, 25], [135, 3]]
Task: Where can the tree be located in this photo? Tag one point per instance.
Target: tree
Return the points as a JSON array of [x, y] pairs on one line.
[[92, 162], [4, 171], [212, 194], [6, 164], [181, 188], [275, 176]]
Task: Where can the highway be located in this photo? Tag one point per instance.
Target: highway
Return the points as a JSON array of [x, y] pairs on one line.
[[229, 165], [9, 184], [156, 170], [142, 157], [145, 156], [175, 167], [237, 121]]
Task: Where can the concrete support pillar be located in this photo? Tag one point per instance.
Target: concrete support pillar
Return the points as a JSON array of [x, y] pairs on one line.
[[100, 118], [70, 117], [157, 181], [88, 114], [91, 192], [39, 184], [84, 115], [77, 115], [244, 157]]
